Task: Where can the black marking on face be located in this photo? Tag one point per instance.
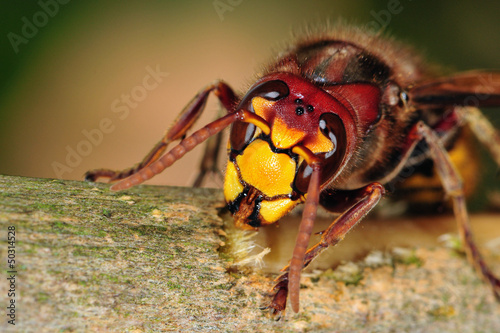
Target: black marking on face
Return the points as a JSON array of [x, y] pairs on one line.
[[253, 219], [234, 205]]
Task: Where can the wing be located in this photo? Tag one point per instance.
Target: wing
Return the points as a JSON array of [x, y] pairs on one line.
[[475, 88]]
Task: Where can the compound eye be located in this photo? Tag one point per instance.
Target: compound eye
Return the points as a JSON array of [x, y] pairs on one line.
[[242, 133], [272, 90], [332, 127]]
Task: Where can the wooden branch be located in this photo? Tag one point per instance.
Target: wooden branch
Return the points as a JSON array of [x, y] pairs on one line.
[[87, 259]]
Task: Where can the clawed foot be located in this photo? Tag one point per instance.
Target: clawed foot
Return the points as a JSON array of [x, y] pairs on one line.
[[93, 175], [278, 304]]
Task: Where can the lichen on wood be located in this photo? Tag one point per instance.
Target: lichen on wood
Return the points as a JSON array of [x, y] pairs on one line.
[[148, 259]]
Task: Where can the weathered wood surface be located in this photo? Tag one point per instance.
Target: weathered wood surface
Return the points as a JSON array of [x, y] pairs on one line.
[[147, 259]]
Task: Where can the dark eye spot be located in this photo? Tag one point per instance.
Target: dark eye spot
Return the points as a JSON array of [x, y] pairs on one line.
[[298, 101], [310, 108], [299, 111]]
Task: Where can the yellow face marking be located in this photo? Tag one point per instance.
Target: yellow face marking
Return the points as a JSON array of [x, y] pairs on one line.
[[285, 137], [273, 210], [319, 143], [262, 107], [265, 170], [281, 135], [232, 185]]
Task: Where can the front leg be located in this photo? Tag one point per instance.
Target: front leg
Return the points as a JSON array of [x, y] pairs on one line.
[[370, 196], [184, 121]]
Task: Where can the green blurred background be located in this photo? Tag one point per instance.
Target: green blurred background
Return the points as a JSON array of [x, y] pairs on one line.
[[65, 67]]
